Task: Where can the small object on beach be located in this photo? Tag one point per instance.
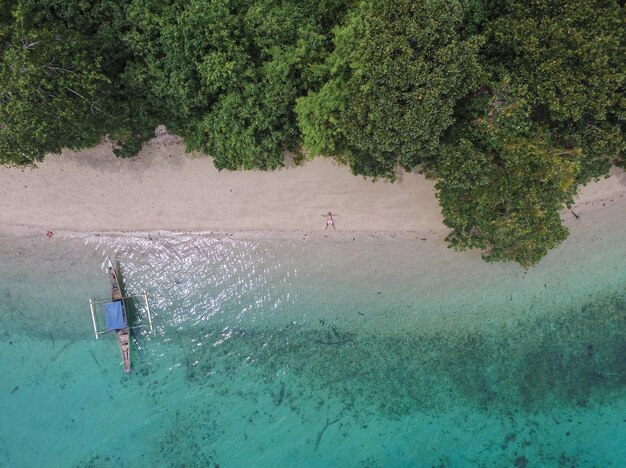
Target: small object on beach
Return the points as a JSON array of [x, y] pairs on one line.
[[329, 220], [49, 233]]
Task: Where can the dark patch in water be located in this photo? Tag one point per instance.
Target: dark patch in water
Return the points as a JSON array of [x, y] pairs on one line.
[[58, 353], [331, 336], [281, 394], [94, 358], [532, 366], [321, 433], [520, 461]]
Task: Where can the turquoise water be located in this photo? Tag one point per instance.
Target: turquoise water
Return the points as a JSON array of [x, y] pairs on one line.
[[300, 353]]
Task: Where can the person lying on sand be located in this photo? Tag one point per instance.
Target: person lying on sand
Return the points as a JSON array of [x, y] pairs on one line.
[[329, 220]]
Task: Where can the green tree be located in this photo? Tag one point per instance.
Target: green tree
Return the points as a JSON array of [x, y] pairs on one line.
[[394, 78], [126, 116], [570, 59], [50, 94], [225, 74], [504, 183]]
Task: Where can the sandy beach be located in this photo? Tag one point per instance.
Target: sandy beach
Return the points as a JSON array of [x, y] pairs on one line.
[[166, 189]]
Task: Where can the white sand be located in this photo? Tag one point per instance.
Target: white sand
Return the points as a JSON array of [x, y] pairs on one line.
[[166, 189]]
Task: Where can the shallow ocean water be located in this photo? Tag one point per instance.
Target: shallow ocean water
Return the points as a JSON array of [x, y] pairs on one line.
[[300, 353]]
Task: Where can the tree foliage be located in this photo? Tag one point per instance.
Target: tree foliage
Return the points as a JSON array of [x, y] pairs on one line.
[[569, 58], [554, 119], [50, 94], [225, 74], [396, 73], [503, 184], [126, 116]]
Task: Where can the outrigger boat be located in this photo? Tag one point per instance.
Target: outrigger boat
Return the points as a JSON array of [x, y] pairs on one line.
[[116, 317]]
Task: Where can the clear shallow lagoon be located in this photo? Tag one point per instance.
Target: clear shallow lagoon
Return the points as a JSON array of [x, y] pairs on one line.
[[300, 353]]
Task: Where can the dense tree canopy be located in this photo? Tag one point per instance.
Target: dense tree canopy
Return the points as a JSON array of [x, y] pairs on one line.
[[49, 94], [568, 58], [504, 182], [396, 73], [510, 105], [566, 54], [83, 41], [225, 74]]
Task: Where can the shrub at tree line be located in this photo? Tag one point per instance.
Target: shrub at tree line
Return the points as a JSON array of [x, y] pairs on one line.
[[510, 105]]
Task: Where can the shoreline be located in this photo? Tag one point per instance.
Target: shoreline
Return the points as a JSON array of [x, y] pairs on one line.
[[343, 237], [167, 192]]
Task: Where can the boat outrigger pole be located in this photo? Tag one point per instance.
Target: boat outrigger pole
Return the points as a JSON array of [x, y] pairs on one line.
[[145, 297], [93, 319]]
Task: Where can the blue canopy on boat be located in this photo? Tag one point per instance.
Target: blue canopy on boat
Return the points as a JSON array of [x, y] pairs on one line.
[[115, 315]]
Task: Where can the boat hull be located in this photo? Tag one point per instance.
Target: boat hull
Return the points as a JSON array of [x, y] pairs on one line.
[[123, 342], [122, 335]]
